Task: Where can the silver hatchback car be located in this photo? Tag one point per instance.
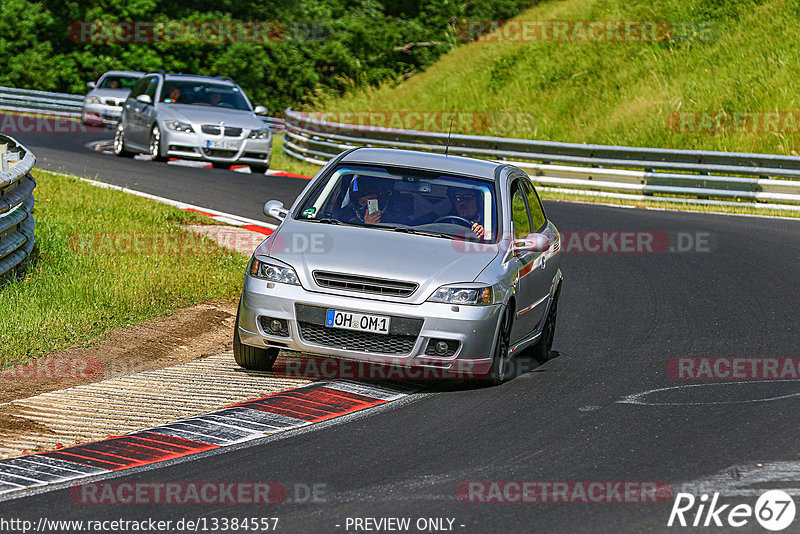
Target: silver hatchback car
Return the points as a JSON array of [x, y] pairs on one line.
[[102, 106], [406, 258], [193, 117]]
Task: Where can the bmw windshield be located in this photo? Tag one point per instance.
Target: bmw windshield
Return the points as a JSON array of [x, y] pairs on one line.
[[197, 93], [407, 200]]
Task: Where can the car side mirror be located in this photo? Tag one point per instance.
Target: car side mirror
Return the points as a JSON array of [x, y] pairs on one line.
[[274, 208], [144, 99], [532, 243], [91, 85], [260, 110]]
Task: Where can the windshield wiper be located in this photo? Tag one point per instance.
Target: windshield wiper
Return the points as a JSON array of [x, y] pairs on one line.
[[407, 230], [325, 220]]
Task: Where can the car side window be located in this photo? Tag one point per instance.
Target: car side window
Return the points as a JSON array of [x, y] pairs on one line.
[[538, 218], [138, 88], [519, 212], [151, 88]]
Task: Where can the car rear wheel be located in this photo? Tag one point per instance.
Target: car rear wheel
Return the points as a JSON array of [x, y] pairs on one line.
[[155, 145], [499, 370], [259, 169], [253, 358], [119, 143], [541, 350]]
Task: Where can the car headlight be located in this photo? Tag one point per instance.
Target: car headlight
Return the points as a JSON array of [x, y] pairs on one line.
[[468, 296], [92, 100], [179, 126], [273, 272], [260, 133]]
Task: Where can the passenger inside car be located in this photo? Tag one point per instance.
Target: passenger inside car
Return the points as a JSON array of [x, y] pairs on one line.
[[369, 202]]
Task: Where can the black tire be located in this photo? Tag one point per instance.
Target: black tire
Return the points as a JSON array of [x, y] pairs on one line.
[[498, 373], [541, 350], [156, 152], [259, 169], [252, 358], [119, 143], [221, 165]]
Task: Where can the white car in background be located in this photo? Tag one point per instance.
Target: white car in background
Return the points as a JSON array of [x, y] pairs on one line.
[[102, 106]]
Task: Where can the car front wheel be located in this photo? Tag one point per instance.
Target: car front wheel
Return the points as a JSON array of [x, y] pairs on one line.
[[119, 143], [155, 145], [498, 373], [252, 358], [259, 169]]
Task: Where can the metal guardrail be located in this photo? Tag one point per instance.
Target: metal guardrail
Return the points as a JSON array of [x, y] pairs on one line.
[[67, 105], [16, 205], [669, 175], [43, 102]]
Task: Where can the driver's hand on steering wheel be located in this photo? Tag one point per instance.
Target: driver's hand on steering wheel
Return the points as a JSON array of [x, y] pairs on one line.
[[372, 218], [477, 229]]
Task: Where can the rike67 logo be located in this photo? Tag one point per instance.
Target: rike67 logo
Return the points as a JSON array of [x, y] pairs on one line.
[[774, 510]]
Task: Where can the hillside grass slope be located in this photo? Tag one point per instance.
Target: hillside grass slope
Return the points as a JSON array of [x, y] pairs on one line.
[[731, 87]]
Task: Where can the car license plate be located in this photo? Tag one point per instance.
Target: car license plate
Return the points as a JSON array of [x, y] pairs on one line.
[[226, 145], [357, 321]]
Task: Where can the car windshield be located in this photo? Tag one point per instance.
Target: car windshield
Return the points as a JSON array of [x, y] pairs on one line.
[[115, 81], [203, 94], [406, 200]]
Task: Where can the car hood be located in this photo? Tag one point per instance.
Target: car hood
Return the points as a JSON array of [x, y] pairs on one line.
[[427, 261], [110, 93], [208, 115]]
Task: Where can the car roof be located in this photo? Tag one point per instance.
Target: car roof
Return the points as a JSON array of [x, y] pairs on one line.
[[424, 160], [123, 73], [198, 78]]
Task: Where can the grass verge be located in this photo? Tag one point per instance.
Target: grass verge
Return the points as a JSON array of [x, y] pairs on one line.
[[106, 259]]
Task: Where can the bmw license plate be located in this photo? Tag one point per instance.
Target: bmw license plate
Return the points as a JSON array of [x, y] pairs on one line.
[[225, 145], [377, 324]]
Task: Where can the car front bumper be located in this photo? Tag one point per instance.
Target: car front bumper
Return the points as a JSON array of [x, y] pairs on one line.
[[191, 145], [100, 115], [470, 330]]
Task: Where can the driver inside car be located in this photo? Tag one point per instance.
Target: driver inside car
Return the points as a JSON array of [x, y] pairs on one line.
[[467, 207]]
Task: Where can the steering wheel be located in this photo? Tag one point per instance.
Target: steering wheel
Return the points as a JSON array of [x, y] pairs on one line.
[[458, 220]]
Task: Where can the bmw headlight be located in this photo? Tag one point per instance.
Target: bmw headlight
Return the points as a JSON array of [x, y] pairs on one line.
[[92, 100], [273, 272], [468, 296], [179, 126], [260, 133]]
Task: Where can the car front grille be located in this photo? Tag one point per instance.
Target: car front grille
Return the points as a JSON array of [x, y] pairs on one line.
[[357, 341], [113, 103], [364, 284], [215, 129]]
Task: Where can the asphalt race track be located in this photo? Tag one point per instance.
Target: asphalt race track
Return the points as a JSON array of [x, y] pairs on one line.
[[578, 417]]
